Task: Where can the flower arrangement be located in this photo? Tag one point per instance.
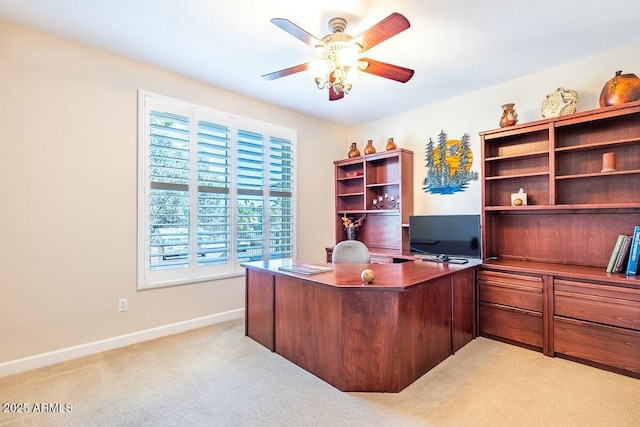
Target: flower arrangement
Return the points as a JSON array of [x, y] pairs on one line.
[[348, 222]]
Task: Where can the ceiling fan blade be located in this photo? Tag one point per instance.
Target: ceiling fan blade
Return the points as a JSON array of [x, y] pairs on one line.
[[296, 31], [286, 72], [333, 96], [383, 30], [388, 71]]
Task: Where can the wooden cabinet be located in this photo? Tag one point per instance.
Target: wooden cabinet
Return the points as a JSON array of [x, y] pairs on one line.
[[597, 323], [575, 210], [510, 307], [387, 179]]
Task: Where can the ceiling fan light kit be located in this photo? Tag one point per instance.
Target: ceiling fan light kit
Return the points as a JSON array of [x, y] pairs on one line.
[[340, 61]]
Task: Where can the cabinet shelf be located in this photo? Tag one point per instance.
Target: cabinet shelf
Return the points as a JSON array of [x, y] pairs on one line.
[[369, 212], [517, 156], [350, 212], [383, 184], [600, 144], [598, 174], [351, 194], [382, 211], [617, 207], [518, 175]]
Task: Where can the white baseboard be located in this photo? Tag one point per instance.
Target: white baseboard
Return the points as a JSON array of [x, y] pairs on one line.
[[49, 358]]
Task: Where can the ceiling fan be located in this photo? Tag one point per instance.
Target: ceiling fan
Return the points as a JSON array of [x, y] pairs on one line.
[[339, 53]]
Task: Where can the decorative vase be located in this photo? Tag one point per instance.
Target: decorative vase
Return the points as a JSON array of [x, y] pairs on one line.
[[509, 115], [351, 233], [560, 103], [369, 149], [391, 145], [622, 88], [353, 152]]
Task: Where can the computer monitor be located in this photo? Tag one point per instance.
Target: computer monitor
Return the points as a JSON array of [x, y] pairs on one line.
[[448, 235]]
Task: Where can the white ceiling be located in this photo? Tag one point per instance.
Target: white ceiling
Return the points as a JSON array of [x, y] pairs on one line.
[[454, 46]]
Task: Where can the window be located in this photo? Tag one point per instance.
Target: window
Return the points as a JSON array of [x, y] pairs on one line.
[[214, 190]]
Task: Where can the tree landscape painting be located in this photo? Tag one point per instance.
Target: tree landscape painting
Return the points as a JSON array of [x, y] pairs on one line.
[[448, 165]]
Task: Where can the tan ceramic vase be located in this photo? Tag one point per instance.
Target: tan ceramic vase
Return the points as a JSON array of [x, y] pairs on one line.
[[560, 103]]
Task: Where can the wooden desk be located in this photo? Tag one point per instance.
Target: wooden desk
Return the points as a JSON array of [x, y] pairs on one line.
[[377, 338]]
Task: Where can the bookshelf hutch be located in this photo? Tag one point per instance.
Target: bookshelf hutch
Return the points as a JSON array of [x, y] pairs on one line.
[[543, 283], [380, 176]]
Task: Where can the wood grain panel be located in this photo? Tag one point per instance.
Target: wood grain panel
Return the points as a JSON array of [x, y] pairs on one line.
[[565, 238], [464, 309], [524, 297], [259, 295], [512, 324], [627, 293], [382, 231], [602, 344], [369, 333], [609, 311], [425, 328], [308, 328]]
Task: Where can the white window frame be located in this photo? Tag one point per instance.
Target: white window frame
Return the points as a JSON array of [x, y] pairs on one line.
[[147, 101]]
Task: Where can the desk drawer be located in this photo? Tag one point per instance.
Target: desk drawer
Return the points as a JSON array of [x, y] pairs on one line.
[[610, 305], [602, 344], [513, 324], [513, 290]]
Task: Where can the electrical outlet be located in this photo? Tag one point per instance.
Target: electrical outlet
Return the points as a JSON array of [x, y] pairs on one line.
[[122, 304]]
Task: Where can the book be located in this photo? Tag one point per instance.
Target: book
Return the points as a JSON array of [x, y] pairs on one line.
[[304, 269], [634, 253], [614, 253], [623, 255]]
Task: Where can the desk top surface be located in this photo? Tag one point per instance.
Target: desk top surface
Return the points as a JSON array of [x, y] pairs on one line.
[[398, 277]]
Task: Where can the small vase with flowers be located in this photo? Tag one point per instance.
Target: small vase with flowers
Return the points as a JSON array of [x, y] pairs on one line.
[[351, 226]]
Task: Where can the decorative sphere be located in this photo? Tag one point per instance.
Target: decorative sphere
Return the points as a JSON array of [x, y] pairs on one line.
[[367, 275], [517, 202]]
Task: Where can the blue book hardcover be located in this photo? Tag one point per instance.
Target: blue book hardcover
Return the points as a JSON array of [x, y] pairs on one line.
[[634, 252]]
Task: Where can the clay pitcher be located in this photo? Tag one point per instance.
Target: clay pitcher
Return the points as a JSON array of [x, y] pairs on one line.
[[509, 115]]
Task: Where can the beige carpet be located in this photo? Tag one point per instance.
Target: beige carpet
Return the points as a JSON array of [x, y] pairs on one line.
[[216, 376]]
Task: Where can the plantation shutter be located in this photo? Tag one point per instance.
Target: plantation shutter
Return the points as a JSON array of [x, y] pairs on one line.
[[168, 176], [280, 198], [250, 195], [214, 181]]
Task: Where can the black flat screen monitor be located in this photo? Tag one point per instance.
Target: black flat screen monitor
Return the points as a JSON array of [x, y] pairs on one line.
[[450, 235]]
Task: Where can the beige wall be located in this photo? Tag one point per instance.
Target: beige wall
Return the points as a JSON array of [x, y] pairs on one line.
[[68, 194], [68, 173], [481, 110]]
